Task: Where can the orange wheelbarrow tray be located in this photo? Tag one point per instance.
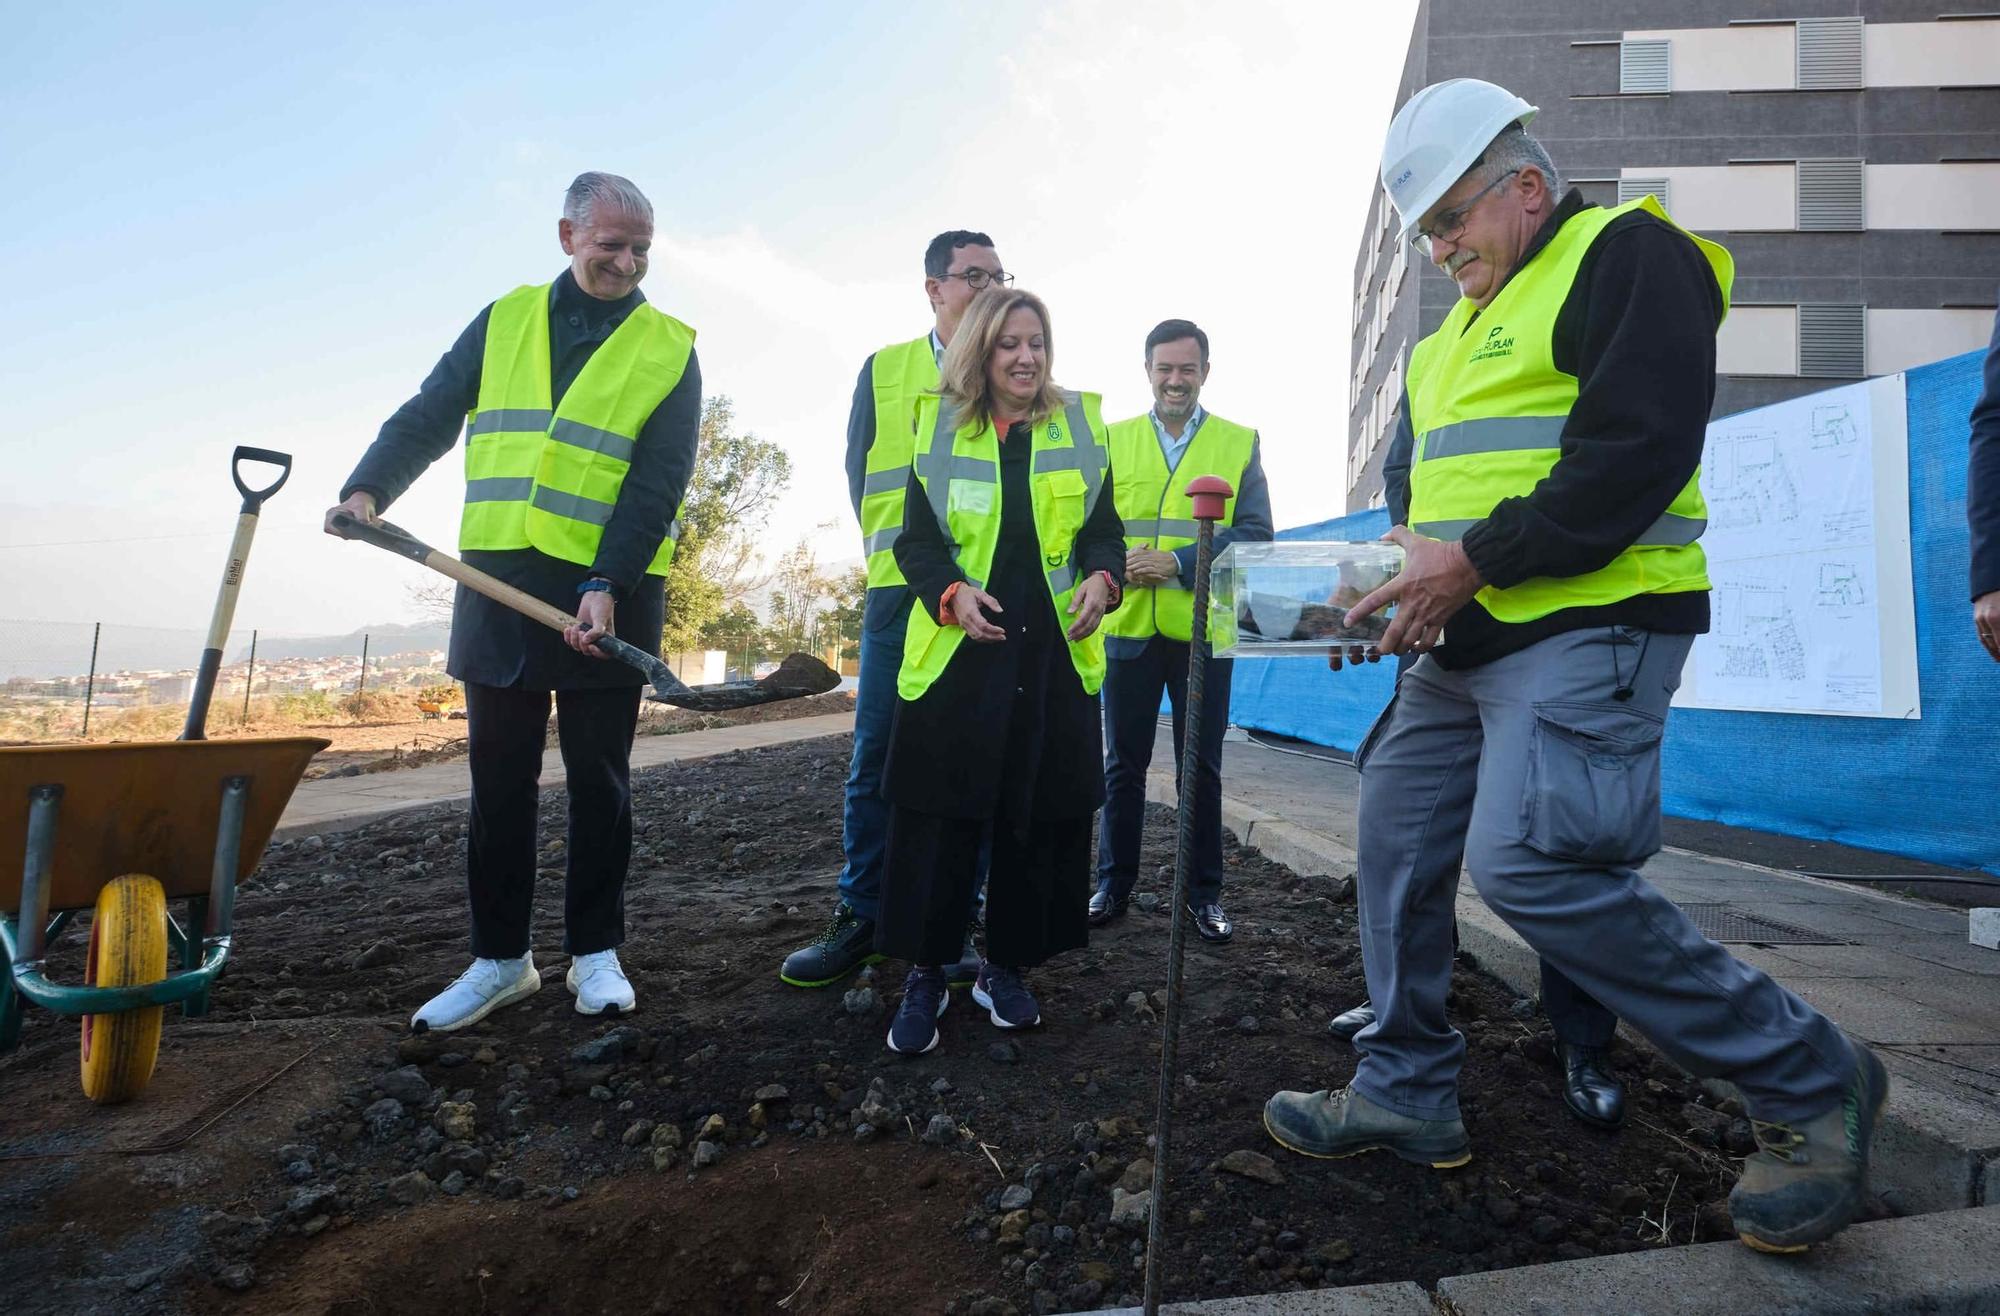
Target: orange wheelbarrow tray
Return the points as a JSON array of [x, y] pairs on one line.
[[189, 819]]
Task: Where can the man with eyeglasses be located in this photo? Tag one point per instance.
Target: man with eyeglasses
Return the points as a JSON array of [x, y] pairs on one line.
[[1555, 507], [880, 440]]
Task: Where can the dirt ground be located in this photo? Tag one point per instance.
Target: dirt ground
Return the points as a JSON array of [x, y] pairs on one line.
[[387, 746], [741, 1146]]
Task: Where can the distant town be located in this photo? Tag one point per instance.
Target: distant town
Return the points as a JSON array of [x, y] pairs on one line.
[[334, 674]]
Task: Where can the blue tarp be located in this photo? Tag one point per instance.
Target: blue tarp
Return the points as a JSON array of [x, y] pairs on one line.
[[1928, 788]]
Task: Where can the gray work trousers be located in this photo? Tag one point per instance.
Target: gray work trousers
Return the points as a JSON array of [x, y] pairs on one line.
[[1548, 782]]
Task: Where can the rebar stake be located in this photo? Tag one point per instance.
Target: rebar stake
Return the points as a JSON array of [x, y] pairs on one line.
[[1211, 495]]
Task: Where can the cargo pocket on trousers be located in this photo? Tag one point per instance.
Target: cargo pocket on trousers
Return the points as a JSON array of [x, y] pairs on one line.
[[1593, 783]]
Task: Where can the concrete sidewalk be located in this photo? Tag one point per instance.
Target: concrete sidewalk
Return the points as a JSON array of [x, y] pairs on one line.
[[334, 804], [1904, 978]]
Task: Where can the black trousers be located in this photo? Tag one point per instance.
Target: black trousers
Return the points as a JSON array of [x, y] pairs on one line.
[[1132, 688], [1037, 888], [505, 731]]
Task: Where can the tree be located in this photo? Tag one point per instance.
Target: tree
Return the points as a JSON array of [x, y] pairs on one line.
[[800, 591], [850, 603], [431, 600], [738, 632], [737, 481]]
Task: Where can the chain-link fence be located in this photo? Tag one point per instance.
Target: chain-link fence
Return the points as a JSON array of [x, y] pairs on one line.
[[110, 681]]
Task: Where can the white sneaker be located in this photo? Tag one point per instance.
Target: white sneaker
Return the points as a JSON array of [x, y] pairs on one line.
[[599, 984], [478, 992]]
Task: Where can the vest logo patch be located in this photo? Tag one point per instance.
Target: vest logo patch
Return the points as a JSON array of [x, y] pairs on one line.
[[1494, 346], [1055, 432]]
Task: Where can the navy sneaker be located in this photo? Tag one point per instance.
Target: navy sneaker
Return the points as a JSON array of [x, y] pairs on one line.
[[1007, 999], [914, 1030]]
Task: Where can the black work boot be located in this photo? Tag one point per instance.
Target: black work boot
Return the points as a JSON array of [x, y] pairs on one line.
[[1345, 1026], [1809, 1178], [1589, 1091], [846, 945]]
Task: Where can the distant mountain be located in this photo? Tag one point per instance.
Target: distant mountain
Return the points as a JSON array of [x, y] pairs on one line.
[[388, 638]]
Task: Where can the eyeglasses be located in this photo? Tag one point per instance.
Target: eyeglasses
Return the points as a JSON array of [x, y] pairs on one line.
[[976, 278], [1450, 225]]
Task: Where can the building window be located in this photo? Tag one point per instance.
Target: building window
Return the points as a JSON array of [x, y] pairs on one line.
[[1832, 341], [1631, 189], [1830, 196], [1829, 54], [1645, 67]]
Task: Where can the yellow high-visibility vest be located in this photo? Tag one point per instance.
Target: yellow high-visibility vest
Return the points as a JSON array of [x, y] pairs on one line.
[[900, 374], [1152, 500], [958, 467], [547, 477], [1488, 408]]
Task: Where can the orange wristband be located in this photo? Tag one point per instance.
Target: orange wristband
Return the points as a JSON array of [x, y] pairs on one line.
[[945, 617]]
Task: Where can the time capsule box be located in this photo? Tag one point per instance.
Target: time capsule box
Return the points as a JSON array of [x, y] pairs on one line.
[[1290, 599]]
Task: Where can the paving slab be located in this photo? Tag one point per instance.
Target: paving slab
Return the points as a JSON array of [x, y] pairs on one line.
[[1361, 1300], [332, 804], [1946, 1264], [1909, 982]]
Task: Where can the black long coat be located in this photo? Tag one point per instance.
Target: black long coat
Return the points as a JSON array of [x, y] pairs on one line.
[[969, 747]]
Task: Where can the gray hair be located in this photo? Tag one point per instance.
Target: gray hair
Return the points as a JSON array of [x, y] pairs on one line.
[[593, 189], [1517, 149]]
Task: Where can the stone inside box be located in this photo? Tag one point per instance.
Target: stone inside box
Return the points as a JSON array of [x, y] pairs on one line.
[[1291, 599]]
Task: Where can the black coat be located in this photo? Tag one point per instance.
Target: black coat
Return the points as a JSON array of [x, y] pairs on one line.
[[1006, 731]]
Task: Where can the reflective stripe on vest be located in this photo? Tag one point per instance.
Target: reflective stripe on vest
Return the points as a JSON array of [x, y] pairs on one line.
[[899, 376], [958, 468], [547, 477], [1489, 407], [1153, 502]]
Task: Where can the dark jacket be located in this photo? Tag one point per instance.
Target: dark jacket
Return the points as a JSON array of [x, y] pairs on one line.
[[969, 748], [490, 643], [1638, 331], [1982, 477]]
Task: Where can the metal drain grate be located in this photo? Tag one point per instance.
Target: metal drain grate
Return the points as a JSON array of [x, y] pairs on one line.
[[1731, 926]]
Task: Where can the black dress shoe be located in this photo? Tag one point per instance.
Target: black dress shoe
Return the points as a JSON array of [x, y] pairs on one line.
[[1345, 1026], [1211, 922], [1105, 906], [1589, 1091]]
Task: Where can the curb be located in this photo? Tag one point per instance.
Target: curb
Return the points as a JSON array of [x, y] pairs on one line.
[[1934, 1151]]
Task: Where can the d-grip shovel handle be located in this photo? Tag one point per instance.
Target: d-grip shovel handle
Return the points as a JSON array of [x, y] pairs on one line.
[[254, 498]]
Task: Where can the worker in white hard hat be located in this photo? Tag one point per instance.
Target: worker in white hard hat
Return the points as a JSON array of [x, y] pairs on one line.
[[1553, 584]]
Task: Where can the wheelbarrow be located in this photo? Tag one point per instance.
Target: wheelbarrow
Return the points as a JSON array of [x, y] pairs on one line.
[[121, 830]]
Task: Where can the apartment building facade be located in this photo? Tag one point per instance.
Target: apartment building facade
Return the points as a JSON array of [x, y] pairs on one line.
[[1849, 157]]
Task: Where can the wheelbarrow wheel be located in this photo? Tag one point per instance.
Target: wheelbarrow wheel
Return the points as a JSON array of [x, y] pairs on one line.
[[128, 948]]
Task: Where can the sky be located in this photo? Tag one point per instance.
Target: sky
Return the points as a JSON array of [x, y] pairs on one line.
[[251, 224]]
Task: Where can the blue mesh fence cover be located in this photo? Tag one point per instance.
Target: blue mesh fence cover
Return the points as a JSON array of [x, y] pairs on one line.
[[1928, 788]]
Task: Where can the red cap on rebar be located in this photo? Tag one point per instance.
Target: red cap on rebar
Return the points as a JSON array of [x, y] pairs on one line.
[[1210, 494]]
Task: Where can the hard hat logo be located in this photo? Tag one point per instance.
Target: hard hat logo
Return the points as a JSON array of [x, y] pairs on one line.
[[1438, 136]]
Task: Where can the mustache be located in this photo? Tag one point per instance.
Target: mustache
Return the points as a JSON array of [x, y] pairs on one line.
[[1457, 259]]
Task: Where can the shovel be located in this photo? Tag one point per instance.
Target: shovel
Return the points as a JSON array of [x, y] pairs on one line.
[[798, 676], [232, 582]]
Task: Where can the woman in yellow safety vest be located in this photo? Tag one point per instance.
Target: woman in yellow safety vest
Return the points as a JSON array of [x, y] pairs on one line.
[[1013, 548]]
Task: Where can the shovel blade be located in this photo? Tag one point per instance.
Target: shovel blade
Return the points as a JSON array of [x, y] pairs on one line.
[[798, 677]]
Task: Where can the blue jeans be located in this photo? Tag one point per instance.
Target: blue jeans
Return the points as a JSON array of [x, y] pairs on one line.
[[864, 818]]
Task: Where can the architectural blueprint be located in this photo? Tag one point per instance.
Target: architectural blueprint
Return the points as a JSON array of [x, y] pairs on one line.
[[1795, 559]]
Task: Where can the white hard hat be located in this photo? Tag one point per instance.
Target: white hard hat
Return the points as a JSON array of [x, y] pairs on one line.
[[1437, 135]]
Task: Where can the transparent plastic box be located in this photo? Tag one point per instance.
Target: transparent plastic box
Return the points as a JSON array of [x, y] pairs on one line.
[[1290, 599]]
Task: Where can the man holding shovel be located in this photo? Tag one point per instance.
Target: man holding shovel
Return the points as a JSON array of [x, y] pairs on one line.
[[580, 404]]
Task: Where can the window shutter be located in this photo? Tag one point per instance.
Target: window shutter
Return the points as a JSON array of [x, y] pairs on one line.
[[1631, 189], [1645, 67], [1829, 54], [1830, 196], [1832, 341]]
